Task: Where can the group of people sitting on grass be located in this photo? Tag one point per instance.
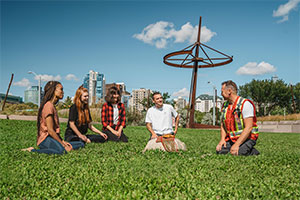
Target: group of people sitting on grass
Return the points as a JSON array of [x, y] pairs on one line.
[[239, 131]]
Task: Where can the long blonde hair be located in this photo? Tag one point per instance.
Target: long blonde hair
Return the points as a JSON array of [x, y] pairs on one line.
[[82, 109]]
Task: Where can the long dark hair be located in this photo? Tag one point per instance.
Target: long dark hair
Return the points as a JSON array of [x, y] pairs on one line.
[[109, 95], [49, 90]]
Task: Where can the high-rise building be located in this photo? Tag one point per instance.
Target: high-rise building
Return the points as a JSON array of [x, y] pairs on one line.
[[138, 96], [180, 103], [32, 95], [95, 83]]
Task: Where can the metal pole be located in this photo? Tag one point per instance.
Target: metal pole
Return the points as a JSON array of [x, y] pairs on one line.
[[194, 87], [293, 100], [39, 91], [214, 107], [12, 77], [214, 102]]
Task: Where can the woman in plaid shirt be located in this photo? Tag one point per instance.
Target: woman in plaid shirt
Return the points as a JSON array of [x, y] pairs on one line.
[[114, 116]]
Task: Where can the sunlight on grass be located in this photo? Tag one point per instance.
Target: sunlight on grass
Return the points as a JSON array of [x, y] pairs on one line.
[[121, 171]]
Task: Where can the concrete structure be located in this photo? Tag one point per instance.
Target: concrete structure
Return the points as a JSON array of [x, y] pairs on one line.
[[95, 83], [11, 98], [138, 96], [180, 103], [205, 102], [279, 126], [32, 95]]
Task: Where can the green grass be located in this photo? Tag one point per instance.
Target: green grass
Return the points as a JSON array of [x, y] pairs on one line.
[[121, 171]]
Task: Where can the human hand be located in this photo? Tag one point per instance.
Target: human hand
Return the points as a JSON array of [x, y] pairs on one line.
[[119, 133], [68, 147], [221, 143], [235, 149], [154, 136], [104, 135], [115, 132], [84, 138], [88, 141]]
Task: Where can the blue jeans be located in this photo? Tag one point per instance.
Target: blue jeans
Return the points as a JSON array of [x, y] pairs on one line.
[[51, 146]]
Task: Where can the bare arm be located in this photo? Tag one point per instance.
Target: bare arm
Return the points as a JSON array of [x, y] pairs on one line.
[[54, 135], [111, 130], [149, 127], [120, 131], [248, 122], [176, 124], [95, 130]]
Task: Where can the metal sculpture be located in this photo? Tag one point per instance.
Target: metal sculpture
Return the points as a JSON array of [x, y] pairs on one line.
[[191, 59]]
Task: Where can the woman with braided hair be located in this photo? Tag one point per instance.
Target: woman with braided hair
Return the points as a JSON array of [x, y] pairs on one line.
[[48, 135]]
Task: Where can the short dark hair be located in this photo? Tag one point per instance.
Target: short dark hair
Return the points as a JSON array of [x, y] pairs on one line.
[[230, 84], [155, 93], [109, 95]]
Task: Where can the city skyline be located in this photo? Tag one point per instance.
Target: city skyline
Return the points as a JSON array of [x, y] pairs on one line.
[[127, 40]]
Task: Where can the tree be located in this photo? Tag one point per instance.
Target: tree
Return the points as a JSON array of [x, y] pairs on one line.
[[267, 94], [296, 91], [207, 119], [68, 102], [148, 103], [199, 116]]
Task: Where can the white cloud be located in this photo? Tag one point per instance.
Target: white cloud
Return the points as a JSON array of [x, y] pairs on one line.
[[23, 83], [252, 68], [181, 93], [284, 10], [46, 77], [160, 33], [71, 77]]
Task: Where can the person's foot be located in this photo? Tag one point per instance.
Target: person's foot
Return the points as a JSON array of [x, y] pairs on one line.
[[28, 149]]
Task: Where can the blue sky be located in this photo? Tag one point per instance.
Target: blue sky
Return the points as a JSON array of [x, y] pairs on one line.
[[127, 40]]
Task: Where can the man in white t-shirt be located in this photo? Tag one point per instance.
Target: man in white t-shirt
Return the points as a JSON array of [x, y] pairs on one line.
[[159, 122], [159, 118], [239, 130]]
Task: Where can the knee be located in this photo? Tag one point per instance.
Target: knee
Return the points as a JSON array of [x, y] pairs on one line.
[[61, 151], [81, 144], [222, 151]]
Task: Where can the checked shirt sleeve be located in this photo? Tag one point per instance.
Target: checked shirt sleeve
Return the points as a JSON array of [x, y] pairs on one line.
[[122, 116], [103, 115]]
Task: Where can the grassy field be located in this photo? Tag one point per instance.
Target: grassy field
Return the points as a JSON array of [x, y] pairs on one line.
[[121, 171]]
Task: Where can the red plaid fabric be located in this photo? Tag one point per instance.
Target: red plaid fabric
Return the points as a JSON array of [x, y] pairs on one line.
[[107, 114]]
